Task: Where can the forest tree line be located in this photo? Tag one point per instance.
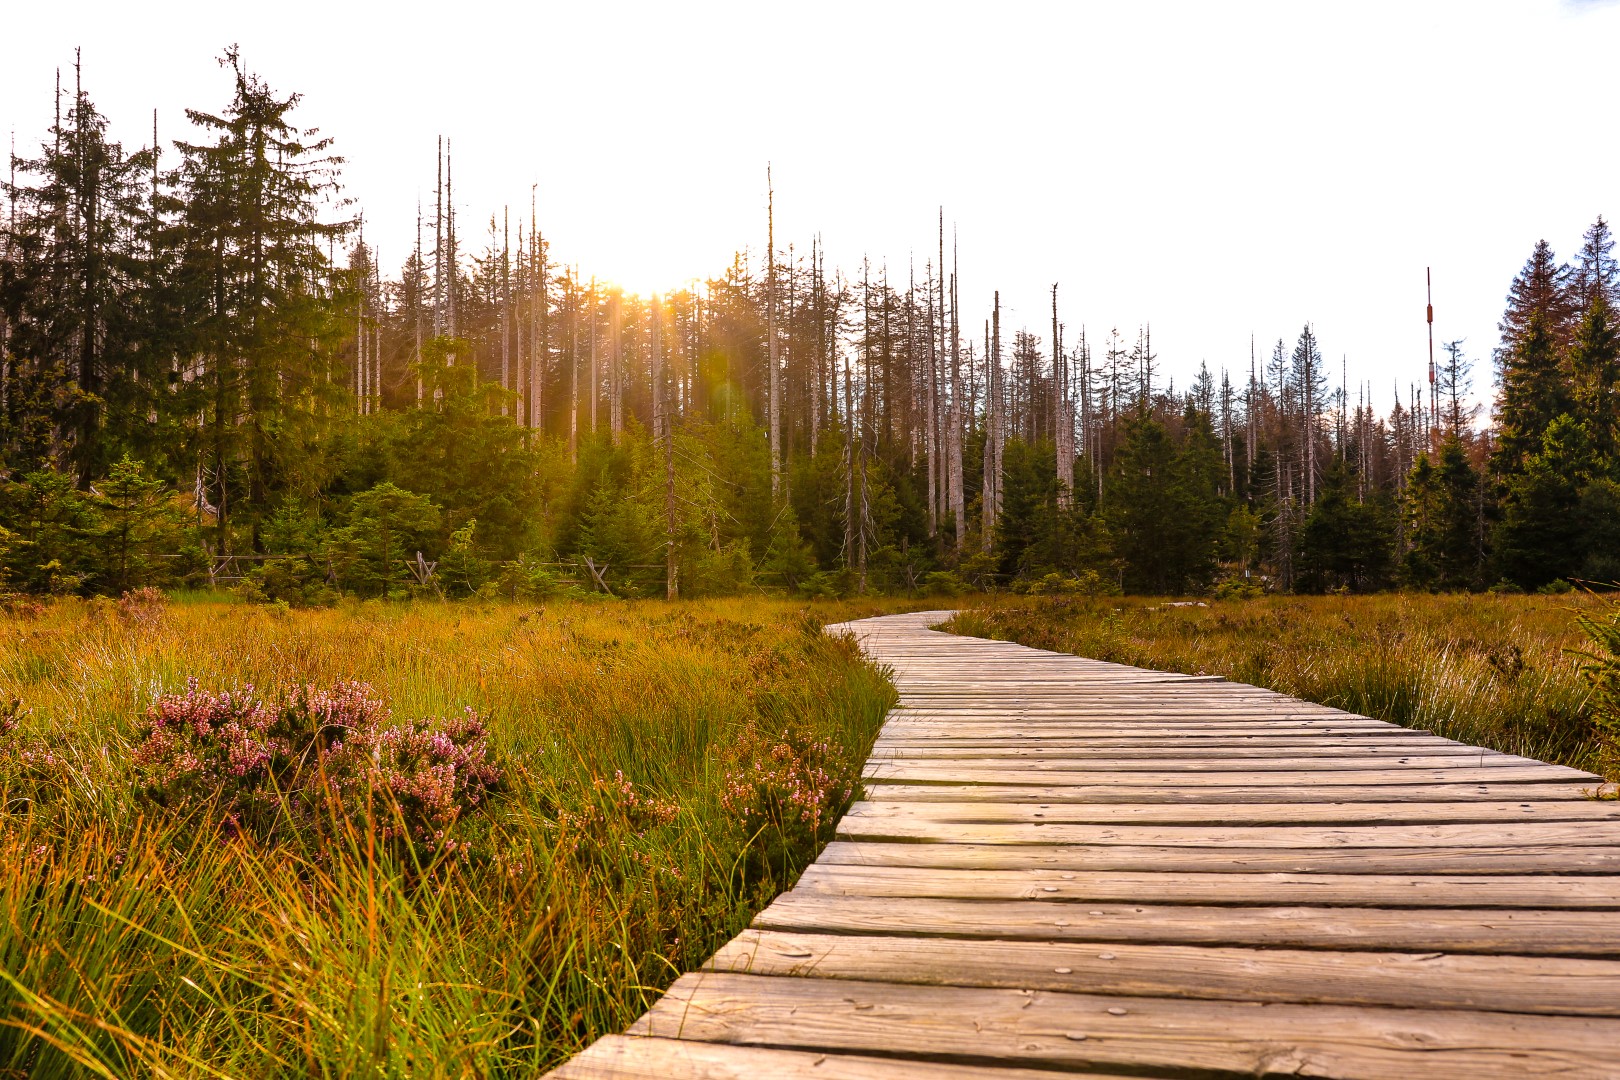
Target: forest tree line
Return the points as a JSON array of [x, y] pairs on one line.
[[202, 357]]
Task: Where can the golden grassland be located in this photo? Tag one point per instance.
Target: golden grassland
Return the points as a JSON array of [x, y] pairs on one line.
[[1501, 671], [137, 940]]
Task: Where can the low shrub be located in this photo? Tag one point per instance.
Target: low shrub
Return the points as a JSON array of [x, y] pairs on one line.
[[279, 767], [786, 793]]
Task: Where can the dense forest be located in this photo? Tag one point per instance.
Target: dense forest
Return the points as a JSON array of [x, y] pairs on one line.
[[206, 376]]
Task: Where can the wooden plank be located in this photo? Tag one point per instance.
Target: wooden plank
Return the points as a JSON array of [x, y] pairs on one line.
[[1037, 773], [1546, 892], [1484, 860], [1549, 985], [622, 1057], [1252, 813], [1193, 796], [1293, 731], [1535, 834], [1305, 744], [1081, 1031], [1223, 758], [1280, 762], [947, 745], [1140, 729], [1082, 706], [1525, 932]]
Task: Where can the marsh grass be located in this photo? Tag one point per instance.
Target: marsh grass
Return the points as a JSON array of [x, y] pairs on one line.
[[1496, 671], [142, 941]]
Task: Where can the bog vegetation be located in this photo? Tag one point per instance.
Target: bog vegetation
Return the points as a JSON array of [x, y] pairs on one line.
[[395, 839], [206, 374]]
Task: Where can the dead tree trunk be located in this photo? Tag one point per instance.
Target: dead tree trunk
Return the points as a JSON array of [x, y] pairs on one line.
[[1062, 413], [616, 366], [957, 433], [770, 345]]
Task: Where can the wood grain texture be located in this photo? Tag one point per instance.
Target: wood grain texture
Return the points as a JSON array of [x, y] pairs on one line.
[[1059, 866], [1557, 986], [974, 1025]]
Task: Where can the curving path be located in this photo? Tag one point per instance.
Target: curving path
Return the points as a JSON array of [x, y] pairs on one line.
[[1066, 867]]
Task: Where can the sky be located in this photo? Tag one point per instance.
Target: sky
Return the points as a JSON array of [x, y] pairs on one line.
[[1215, 170]]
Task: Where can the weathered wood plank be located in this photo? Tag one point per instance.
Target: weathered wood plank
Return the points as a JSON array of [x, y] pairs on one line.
[[1079, 1031], [1186, 762], [1237, 793], [1043, 773], [622, 1057], [1484, 860], [1223, 750], [1147, 744], [1524, 932], [1251, 813], [1551, 985], [1533, 834], [1571, 892]]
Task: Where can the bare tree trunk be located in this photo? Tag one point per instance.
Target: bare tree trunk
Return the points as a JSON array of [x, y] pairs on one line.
[[931, 418], [416, 293], [596, 378], [994, 409], [864, 423], [941, 460], [438, 246], [664, 428], [849, 466], [957, 435], [789, 377], [616, 367], [450, 240], [361, 285], [520, 331], [573, 367], [1062, 416], [540, 342], [506, 304], [771, 346], [818, 375]]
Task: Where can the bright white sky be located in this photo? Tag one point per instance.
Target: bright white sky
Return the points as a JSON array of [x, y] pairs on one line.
[[1216, 169]]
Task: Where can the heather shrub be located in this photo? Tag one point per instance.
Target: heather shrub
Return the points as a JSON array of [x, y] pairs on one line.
[[786, 793], [142, 607], [290, 768]]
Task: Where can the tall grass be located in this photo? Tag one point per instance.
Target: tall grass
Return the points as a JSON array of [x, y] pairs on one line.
[[142, 941], [1496, 671]]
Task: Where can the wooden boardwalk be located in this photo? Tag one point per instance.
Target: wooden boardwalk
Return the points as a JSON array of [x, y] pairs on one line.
[[1065, 867]]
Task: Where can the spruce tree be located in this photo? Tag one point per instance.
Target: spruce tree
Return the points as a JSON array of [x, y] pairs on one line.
[[74, 293], [1541, 288], [1596, 272], [1539, 536], [1443, 527], [1594, 373], [1345, 543], [256, 284]]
